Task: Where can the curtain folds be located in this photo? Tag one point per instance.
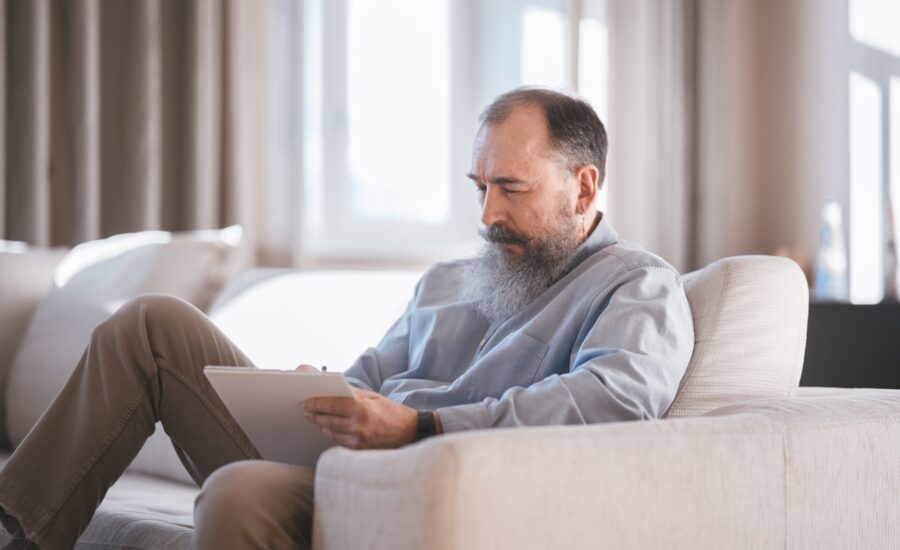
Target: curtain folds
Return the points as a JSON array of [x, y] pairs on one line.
[[728, 126], [652, 183], [125, 116]]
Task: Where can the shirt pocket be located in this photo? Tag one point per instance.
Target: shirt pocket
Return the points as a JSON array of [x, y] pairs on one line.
[[514, 361]]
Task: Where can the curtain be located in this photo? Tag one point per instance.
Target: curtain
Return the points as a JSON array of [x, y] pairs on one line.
[[125, 116], [772, 124], [728, 125], [651, 185]]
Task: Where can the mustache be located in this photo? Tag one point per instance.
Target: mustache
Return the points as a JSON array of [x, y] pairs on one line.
[[500, 234]]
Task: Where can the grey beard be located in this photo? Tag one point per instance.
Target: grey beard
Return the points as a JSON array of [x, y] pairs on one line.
[[500, 287]]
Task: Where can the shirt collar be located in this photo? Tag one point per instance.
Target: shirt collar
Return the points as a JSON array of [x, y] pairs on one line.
[[602, 236]]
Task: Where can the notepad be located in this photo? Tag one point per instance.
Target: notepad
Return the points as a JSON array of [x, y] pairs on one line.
[[268, 406]]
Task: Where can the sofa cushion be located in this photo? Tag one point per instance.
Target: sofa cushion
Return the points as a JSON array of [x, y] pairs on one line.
[[312, 317], [138, 512], [91, 282], [750, 333], [27, 277]]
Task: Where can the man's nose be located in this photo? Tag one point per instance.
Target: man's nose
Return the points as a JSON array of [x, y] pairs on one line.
[[493, 209]]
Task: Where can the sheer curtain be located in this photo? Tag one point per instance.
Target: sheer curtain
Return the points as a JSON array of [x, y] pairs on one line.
[[124, 116], [651, 180]]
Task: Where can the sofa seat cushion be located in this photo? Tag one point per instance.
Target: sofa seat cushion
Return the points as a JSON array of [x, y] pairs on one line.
[[750, 333], [139, 512]]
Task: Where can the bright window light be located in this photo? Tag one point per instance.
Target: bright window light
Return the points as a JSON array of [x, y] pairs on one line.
[[593, 71], [398, 109], [313, 84], [876, 23], [543, 47], [866, 239]]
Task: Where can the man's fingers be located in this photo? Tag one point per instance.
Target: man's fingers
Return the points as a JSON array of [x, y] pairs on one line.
[[333, 423], [338, 406], [345, 440]]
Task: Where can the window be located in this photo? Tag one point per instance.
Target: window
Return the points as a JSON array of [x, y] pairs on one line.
[[874, 86], [391, 91]]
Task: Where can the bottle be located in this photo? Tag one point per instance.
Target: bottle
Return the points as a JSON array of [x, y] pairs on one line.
[[831, 262], [891, 288]]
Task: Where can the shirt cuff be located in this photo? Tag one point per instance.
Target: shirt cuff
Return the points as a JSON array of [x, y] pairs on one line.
[[471, 416]]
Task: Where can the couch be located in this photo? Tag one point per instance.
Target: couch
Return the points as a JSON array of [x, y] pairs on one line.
[[742, 459]]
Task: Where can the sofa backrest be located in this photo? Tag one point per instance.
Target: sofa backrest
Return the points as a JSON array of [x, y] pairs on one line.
[[749, 331], [26, 276]]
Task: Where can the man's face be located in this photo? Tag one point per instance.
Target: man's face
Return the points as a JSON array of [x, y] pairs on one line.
[[527, 197]]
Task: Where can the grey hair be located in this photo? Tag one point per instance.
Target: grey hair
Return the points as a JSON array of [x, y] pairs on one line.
[[576, 131]]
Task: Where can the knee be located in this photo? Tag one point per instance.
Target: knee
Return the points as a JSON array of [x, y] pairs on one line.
[[135, 314], [162, 308], [256, 500], [226, 494]]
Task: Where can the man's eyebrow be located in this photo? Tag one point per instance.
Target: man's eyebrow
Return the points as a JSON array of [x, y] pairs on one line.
[[500, 180]]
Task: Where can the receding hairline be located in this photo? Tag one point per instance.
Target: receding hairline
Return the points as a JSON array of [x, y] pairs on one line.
[[574, 130]]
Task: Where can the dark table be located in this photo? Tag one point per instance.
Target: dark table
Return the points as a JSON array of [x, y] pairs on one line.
[[852, 346]]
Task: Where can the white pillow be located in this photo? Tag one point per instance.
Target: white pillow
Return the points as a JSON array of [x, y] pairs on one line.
[[749, 331], [316, 317], [26, 275], [92, 282]]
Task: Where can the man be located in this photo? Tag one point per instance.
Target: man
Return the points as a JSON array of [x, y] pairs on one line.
[[554, 323]]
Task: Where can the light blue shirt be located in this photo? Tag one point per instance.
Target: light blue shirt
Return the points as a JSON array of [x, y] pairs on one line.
[[609, 341]]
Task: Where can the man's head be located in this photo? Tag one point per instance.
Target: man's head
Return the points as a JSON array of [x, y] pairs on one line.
[[538, 162]]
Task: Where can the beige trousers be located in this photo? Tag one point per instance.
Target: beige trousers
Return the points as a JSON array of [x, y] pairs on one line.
[[142, 366]]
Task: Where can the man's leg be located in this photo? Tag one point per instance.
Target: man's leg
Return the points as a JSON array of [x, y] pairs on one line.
[[255, 504], [143, 365]]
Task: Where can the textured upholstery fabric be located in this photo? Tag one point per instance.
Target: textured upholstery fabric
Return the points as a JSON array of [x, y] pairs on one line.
[[26, 276], [750, 317], [91, 282], [816, 472], [139, 512]]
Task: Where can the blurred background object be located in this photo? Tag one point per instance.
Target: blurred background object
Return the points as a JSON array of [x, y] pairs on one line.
[[831, 262]]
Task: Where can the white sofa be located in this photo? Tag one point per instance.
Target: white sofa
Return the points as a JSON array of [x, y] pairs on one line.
[[741, 461]]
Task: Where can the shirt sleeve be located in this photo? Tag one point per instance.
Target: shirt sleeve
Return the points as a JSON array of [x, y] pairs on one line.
[[636, 345], [389, 357]]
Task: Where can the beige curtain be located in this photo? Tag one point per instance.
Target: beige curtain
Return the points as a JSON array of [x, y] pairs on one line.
[[728, 124], [772, 124], [120, 116]]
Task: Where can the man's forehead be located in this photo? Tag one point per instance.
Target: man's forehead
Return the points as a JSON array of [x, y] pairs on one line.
[[519, 139]]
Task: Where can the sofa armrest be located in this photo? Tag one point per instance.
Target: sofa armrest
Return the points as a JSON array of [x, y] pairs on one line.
[[629, 485], [772, 473]]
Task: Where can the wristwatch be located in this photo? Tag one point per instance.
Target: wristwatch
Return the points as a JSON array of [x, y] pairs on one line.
[[426, 425]]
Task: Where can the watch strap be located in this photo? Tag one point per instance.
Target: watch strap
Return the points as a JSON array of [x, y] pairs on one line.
[[425, 426]]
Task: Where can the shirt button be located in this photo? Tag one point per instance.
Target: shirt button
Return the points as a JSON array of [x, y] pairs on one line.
[[481, 344]]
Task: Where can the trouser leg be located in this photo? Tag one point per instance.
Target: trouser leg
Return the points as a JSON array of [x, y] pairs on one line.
[[255, 504], [143, 365]]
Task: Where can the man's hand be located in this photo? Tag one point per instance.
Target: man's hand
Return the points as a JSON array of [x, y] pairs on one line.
[[367, 420]]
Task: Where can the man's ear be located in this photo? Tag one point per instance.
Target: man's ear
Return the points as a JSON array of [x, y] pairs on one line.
[[588, 179]]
